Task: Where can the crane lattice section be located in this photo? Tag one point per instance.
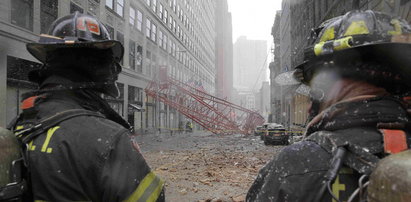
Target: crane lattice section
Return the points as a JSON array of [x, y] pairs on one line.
[[214, 114]]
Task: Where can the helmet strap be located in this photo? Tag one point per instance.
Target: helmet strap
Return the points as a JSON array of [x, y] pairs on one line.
[[316, 97]]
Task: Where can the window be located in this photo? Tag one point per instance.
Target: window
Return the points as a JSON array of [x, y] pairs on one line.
[[170, 25], [169, 46], [18, 70], [178, 53], [17, 81], [116, 5], [48, 13], [139, 20], [153, 64], [120, 7], [74, 7], [117, 104], [174, 26], [165, 42], [110, 31], [165, 16], [160, 38], [153, 32], [154, 5], [110, 3], [139, 59], [120, 38], [132, 15], [174, 50], [148, 2], [160, 11], [135, 94], [148, 62], [178, 31], [148, 28], [22, 13], [132, 54]]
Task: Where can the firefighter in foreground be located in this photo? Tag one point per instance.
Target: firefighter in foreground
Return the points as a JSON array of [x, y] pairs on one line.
[[90, 154], [359, 73]]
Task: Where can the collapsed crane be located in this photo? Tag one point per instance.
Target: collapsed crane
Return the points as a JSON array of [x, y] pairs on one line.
[[214, 114]]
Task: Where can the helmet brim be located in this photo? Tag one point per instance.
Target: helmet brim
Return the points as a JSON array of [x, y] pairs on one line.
[[396, 55], [41, 50]]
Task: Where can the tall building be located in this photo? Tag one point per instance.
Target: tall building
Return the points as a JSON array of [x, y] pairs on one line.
[[296, 19], [263, 100], [249, 63], [224, 50], [178, 35]]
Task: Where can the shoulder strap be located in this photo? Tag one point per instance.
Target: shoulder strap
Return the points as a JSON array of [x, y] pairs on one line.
[[26, 135], [356, 157]]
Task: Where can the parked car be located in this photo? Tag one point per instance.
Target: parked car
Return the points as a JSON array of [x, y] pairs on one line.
[[275, 134], [258, 130], [263, 130]]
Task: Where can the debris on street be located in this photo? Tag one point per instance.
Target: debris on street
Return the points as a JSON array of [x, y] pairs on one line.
[[202, 166]]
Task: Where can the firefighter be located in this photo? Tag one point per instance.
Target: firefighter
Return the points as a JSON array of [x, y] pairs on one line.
[[358, 70], [84, 157], [189, 126]]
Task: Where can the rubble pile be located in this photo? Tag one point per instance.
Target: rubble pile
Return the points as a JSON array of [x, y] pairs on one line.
[[210, 172]]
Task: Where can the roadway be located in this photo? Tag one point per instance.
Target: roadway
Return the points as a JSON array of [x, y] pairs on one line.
[[201, 166]]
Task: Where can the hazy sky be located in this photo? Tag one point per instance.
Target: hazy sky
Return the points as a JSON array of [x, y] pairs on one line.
[[253, 18]]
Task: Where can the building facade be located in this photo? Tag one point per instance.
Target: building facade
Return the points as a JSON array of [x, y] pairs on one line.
[[224, 51], [178, 35], [295, 21], [263, 100], [249, 63]]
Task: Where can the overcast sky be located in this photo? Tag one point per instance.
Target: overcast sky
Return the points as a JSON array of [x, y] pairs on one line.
[[253, 18]]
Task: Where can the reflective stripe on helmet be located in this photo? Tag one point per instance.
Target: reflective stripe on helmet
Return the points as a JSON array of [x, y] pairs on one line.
[[397, 27], [329, 34], [357, 28], [336, 45]]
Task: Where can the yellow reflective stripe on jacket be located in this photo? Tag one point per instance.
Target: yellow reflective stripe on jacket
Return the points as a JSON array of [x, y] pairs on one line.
[[149, 189]]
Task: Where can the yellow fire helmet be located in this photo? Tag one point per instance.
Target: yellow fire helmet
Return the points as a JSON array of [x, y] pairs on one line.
[[365, 45]]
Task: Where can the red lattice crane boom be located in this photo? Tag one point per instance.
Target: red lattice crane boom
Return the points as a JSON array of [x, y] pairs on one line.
[[214, 114]]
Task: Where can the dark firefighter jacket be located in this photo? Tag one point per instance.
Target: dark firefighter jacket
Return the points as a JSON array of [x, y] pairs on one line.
[[87, 158], [297, 172]]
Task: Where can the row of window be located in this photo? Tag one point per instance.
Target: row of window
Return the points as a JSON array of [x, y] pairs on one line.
[[22, 13], [168, 20], [116, 5], [136, 20]]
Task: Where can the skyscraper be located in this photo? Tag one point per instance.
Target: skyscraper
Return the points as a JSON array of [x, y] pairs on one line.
[[224, 50], [250, 63]]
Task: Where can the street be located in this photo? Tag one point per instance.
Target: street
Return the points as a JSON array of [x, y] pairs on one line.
[[201, 166]]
